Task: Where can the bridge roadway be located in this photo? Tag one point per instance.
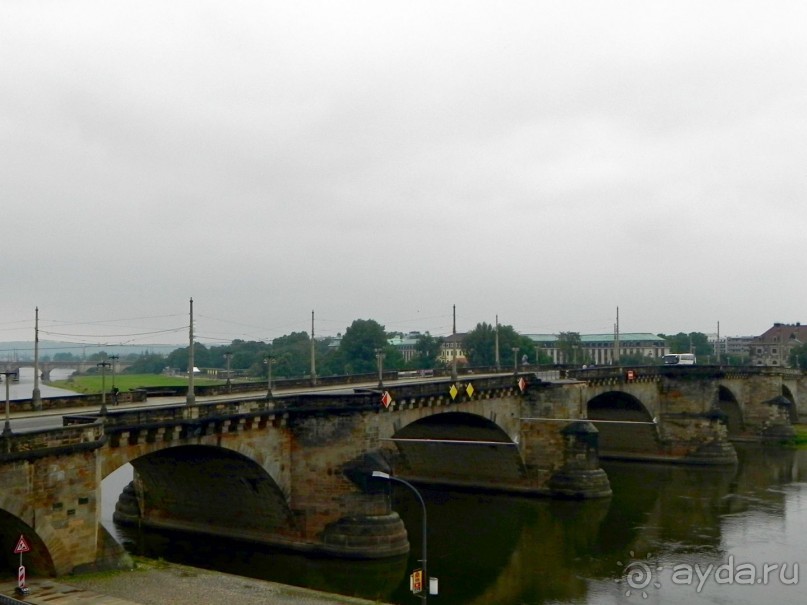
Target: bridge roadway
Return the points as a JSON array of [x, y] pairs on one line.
[[26, 420], [293, 470]]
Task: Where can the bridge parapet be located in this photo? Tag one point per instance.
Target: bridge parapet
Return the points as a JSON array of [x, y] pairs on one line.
[[36, 444], [675, 371]]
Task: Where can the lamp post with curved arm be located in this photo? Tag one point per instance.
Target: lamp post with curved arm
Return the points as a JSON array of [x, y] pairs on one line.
[[269, 360], [382, 475]]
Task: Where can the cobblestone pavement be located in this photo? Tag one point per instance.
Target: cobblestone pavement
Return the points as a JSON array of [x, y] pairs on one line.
[[170, 584]]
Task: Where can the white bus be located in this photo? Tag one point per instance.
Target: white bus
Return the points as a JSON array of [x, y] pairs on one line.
[[679, 359]]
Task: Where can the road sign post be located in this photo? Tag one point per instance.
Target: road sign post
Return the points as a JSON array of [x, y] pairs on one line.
[[22, 546]]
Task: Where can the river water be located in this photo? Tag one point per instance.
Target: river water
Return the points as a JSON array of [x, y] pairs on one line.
[[24, 387], [669, 534]]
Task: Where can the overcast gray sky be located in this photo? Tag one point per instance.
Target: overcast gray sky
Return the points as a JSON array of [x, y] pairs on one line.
[[546, 162]]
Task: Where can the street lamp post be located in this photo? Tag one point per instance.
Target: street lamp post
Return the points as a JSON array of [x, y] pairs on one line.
[[268, 360], [228, 356], [515, 361], [7, 427], [425, 588], [113, 358], [379, 357], [103, 365]]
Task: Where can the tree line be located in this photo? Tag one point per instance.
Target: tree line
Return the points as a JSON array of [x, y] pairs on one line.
[[358, 350]]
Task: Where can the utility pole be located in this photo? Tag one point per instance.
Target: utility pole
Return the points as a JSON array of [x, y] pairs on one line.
[[454, 347], [498, 360], [36, 397], [313, 354], [718, 343], [191, 397]]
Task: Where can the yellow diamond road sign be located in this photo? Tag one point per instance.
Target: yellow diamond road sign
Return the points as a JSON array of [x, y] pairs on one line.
[[469, 389], [453, 391]]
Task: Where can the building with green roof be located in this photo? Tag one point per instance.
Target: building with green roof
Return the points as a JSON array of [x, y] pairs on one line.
[[600, 349]]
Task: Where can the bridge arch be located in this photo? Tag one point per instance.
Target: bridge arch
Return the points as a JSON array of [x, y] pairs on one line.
[[38, 561], [206, 488], [793, 411], [728, 404], [627, 425], [442, 447]]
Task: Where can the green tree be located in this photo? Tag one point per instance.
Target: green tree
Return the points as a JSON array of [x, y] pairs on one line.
[[797, 358], [694, 342], [428, 352], [480, 345], [570, 347], [393, 358], [329, 357], [147, 363], [359, 345], [292, 355], [179, 358]]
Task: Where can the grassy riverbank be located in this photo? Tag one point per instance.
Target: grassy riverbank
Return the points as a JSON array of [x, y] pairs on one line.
[[92, 383], [801, 435]]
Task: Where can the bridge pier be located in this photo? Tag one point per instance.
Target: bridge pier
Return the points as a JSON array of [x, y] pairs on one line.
[[696, 438], [52, 492], [581, 475], [777, 426]]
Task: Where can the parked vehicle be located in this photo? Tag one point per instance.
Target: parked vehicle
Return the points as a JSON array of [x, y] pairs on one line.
[[680, 359]]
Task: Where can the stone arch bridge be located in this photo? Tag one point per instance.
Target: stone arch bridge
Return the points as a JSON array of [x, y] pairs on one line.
[[293, 471], [46, 367], [670, 408]]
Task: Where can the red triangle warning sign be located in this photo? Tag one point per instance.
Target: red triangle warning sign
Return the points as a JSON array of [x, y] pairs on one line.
[[22, 546]]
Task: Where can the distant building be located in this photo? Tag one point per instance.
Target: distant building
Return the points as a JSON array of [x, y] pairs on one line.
[[451, 346], [599, 348], [406, 345], [739, 346], [773, 347]]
